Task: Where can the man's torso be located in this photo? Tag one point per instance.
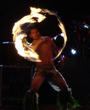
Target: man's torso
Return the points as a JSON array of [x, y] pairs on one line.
[[45, 52]]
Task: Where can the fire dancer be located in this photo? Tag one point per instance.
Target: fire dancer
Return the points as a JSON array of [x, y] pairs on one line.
[[45, 70]]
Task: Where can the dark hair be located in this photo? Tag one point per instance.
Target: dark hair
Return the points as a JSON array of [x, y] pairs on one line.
[[27, 27], [34, 26]]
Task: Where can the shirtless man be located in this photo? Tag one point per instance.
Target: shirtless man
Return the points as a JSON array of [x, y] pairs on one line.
[[46, 48]]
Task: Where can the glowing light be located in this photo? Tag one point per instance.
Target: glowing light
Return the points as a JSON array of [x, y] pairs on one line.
[[23, 47], [73, 51], [55, 37], [62, 35], [63, 56], [86, 26]]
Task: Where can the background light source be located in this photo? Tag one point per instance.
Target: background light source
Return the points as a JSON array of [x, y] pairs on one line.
[[73, 51]]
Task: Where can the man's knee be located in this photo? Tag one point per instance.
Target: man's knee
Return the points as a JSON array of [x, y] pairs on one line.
[[34, 89]]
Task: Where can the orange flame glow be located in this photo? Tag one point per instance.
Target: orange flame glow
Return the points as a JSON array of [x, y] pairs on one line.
[[23, 47]]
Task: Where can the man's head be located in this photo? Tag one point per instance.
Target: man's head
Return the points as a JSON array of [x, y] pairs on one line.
[[34, 32]]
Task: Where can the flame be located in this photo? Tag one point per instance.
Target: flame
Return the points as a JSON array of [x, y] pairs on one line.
[[61, 26], [21, 45]]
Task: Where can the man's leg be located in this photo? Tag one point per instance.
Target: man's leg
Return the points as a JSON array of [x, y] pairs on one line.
[[37, 82], [65, 93], [59, 80], [32, 93]]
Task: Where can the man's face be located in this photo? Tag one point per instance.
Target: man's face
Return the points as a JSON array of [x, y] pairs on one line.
[[34, 34]]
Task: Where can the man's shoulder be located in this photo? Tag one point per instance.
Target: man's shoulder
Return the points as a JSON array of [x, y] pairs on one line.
[[46, 38]]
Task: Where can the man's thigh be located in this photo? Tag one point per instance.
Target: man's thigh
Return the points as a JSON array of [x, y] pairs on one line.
[[37, 81], [58, 79]]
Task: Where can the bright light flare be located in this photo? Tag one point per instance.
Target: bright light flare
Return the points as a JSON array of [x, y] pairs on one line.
[[73, 51]]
